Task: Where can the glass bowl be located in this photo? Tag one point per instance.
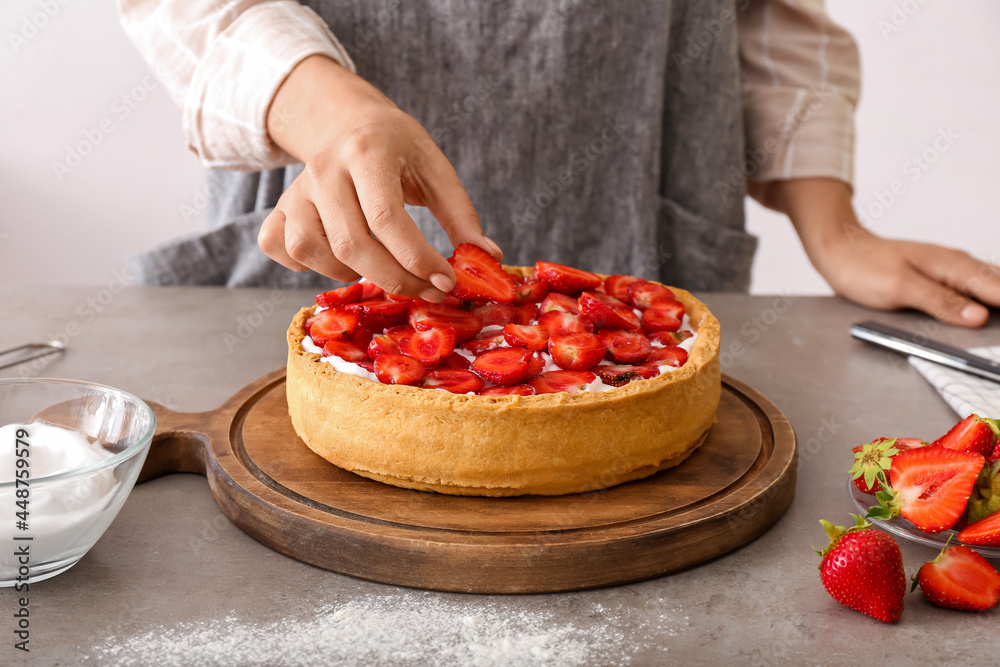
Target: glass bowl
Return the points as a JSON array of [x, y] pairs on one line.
[[70, 453]]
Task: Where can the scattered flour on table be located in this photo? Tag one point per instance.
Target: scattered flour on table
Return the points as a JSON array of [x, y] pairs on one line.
[[387, 630]]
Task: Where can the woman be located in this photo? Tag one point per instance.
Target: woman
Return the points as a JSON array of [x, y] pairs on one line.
[[620, 140]]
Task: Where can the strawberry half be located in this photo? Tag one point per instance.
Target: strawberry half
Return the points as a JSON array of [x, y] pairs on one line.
[[959, 578], [930, 487], [503, 366], [338, 297], [559, 323], [525, 313], [344, 350], [617, 286], [382, 344], [972, 434], [531, 337], [530, 290], [982, 533], [378, 315], [875, 457], [334, 324], [675, 357], [478, 275], [399, 369], [619, 376], [495, 314], [663, 316], [426, 315], [513, 390], [566, 279], [455, 380], [554, 382], [484, 342], [370, 291], [625, 347], [669, 338], [429, 346], [644, 294], [560, 302], [862, 568], [607, 311], [576, 351]]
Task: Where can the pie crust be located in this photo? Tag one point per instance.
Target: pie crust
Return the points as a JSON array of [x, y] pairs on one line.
[[548, 444]]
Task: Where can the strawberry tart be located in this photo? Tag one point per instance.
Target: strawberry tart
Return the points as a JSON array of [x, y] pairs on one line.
[[546, 380]]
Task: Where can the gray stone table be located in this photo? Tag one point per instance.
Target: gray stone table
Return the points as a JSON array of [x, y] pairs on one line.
[[173, 582]]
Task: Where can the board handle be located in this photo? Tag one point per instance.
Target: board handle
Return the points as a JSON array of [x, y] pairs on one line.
[[180, 443]]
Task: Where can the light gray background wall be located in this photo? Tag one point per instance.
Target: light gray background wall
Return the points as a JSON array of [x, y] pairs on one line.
[[69, 75]]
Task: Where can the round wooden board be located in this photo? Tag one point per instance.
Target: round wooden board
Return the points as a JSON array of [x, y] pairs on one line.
[[277, 490]]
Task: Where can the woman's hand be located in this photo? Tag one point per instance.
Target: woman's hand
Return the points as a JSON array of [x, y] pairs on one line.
[[881, 273], [364, 158]]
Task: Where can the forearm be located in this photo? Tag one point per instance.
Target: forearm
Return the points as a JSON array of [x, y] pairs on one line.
[[820, 209]]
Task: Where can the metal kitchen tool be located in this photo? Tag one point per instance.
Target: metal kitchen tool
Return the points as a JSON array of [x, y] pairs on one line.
[[28, 352]]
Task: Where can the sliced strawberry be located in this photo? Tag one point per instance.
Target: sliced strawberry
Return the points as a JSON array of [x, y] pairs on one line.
[[398, 297], [495, 314], [535, 365], [532, 337], [361, 338], [307, 325], [478, 275], [455, 380], [503, 366], [605, 311], [644, 294], [371, 291], [617, 286], [455, 360], [399, 369], [669, 338], [525, 313], [530, 290], [512, 390], [566, 279], [400, 333], [484, 342], [930, 487], [663, 316], [429, 346], [333, 324], [338, 297], [367, 365], [972, 434], [558, 323], [425, 315], [625, 347], [874, 457], [959, 578], [382, 344], [560, 302], [553, 382], [378, 315], [619, 376], [576, 351], [982, 533], [344, 350], [675, 357]]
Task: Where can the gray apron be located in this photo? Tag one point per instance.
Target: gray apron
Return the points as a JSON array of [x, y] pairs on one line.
[[585, 132]]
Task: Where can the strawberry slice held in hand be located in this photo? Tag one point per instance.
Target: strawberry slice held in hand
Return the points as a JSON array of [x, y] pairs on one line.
[[566, 279], [619, 376], [972, 434], [606, 311], [530, 337], [399, 369], [378, 315], [455, 380], [959, 578], [333, 324], [862, 568], [625, 347], [554, 382], [344, 350], [560, 302], [559, 323], [495, 314], [512, 390], [478, 275], [340, 296], [426, 315], [576, 351], [644, 294], [663, 316], [429, 346], [617, 286], [370, 291], [675, 357], [874, 457], [929, 487], [530, 290], [504, 366]]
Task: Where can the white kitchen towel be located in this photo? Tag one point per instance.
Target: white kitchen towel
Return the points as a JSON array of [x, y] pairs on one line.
[[964, 393]]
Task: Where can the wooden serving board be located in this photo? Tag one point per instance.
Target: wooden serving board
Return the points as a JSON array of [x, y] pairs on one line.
[[277, 490]]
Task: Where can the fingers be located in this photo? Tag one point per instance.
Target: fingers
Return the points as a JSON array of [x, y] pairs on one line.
[[943, 303], [271, 240], [961, 272], [306, 242], [380, 194]]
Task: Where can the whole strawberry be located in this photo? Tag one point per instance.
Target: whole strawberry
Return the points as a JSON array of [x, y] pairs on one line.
[[862, 568]]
